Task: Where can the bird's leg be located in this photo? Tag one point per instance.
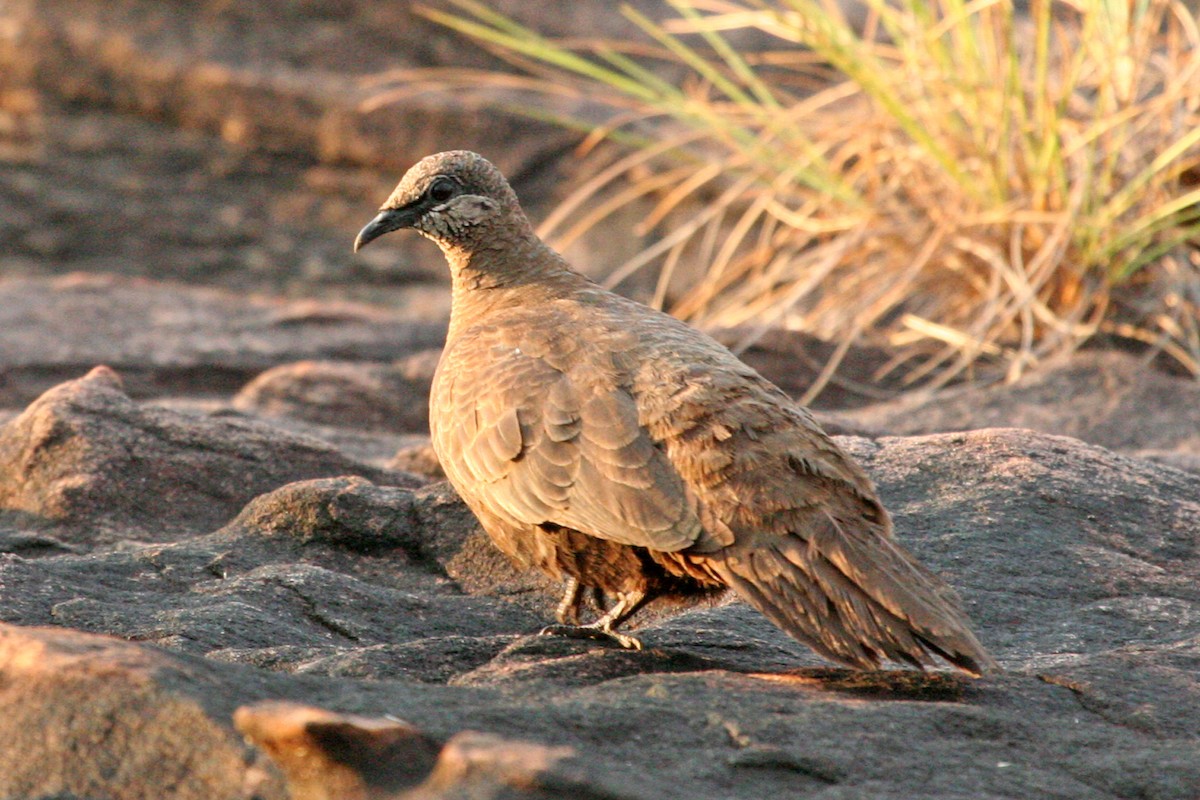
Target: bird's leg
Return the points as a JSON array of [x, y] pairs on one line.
[[605, 627], [573, 599], [567, 612]]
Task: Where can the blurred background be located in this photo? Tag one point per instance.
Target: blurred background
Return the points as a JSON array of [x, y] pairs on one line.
[[971, 191], [222, 143]]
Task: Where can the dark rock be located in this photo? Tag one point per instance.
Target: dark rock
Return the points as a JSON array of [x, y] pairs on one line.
[[93, 465], [375, 447], [99, 191], [1061, 548], [418, 459], [171, 339], [431, 659], [1078, 566], [794, 361], [458, 543], [1109, 398], [567, 661], [90, 716], [328, 576], [346, 756], [390, 397]]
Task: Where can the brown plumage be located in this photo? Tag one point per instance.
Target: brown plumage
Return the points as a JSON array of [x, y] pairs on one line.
[[616, 448]]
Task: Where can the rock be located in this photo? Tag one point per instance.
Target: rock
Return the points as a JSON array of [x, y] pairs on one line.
[[458, 543], [1077, 549], [389, 397], [1108, 398], [476, 765], [335, 575], [1077, 564], [100, 191], [537, 660], [1185, 461], [299, 93], [344, 756], [172, 339], [418, 459], [89, 463], [300, 89], [350, 757], [91, 716]]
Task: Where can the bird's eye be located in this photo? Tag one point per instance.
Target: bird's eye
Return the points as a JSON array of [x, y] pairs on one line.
[[441, 190]]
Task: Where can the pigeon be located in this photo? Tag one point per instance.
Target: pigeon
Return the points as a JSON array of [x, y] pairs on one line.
[[634, 458]]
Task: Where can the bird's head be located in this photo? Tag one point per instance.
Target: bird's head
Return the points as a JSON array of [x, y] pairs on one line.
[[456, 198]]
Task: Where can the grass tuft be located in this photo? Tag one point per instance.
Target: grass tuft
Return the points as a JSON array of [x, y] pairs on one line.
[[977, 188]]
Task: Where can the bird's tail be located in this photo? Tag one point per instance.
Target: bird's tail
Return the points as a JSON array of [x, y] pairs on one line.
[[855, 596]]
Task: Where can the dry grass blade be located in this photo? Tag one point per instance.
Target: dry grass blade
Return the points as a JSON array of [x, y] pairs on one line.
[[978, 188]]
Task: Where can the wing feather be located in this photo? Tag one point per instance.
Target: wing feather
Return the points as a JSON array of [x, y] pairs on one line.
[[536, 446]]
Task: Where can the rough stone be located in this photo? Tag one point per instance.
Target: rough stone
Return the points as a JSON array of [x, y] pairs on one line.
[[88, 462], [172, 339], [391, 397], [328, 755], [418, 459], [91, 716], [1113, 399], [1078, 566]]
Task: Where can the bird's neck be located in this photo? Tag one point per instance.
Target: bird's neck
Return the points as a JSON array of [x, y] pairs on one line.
[[520, 269]]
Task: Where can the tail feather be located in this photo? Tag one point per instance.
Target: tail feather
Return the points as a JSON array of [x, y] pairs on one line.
[[855, 597]]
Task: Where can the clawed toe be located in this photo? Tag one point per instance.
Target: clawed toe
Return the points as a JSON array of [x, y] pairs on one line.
[[593, 633]]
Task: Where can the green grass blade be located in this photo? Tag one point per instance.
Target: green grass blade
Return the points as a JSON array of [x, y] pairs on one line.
[[762, 93]]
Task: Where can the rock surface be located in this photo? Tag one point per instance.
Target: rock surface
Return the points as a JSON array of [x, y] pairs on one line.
[[174, 339], [119, 720], [390, 397], [1114, 399], [1078, 565], [88, 462]]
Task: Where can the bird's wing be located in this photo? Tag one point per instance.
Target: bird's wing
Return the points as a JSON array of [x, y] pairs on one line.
[[538, 444], [807, 541], [851, 593]]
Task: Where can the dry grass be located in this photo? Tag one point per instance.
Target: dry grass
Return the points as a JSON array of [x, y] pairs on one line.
[[978, 189]]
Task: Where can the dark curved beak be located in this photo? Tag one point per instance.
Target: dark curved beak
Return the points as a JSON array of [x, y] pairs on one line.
[[388, 220]]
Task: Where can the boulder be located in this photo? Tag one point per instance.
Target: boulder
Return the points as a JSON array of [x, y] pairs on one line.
[[92, 716], [1078, 566], [391, 397], [170, 339], [89, 463], [1110, 398]]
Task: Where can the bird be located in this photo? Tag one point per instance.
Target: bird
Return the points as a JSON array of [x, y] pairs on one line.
[[633, 457]]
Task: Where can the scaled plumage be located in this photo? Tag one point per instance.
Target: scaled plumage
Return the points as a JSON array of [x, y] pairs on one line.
[[616, 448]]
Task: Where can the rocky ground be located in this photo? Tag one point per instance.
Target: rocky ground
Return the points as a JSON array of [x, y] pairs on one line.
[[228, 568]]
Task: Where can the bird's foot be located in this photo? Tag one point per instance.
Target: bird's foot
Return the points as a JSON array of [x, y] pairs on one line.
[[575, 596], [593, 632]]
